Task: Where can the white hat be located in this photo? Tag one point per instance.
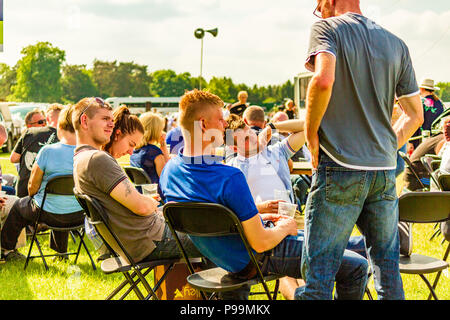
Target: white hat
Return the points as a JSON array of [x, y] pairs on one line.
[[428, 84]]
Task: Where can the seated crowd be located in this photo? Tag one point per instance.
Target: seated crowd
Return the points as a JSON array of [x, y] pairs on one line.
[[87, 138]]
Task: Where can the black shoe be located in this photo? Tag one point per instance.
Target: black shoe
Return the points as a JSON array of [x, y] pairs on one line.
[[15, 256], [405, 236]]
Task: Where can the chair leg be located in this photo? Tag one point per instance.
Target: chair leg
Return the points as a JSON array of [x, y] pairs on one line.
[[275, 291], [429, 286], [33, 239], [369, 295], [438, 275], [41, 253], [135, 288]]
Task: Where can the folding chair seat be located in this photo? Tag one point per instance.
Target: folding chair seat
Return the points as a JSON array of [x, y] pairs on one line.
[[58, 185], [134, 273], [207, 220], [424, 207]]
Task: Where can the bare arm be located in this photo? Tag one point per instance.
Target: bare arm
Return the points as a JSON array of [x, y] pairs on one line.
[[317, 98], [410, 120], [34, 183], [262, 239], [127, 195]]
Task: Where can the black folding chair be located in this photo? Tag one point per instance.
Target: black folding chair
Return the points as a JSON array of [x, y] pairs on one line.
[[213, 220], [134, 272], [426, 162], [410, 166], [424, 207], [59, 185], [137, 175]]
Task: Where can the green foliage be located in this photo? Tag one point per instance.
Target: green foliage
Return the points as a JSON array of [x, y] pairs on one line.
[[166, 83], [444, 92], [39, 74], [7, 80], [77, 83]]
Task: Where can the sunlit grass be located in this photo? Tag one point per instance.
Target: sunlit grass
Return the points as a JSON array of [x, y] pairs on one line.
[[66, 281]]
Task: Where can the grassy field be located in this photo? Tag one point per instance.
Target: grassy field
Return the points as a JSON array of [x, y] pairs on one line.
[[66, 281]]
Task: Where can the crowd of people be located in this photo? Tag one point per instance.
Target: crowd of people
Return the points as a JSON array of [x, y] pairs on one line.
[[237, 156]]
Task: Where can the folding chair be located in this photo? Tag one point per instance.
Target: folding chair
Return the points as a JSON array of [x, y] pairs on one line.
[[409, 164], [426, 161], [137, 175], [212, 220], [133, 272], [59, 185], [423, 207]]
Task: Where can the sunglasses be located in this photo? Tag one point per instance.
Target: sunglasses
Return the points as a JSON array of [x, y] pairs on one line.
[[43, 121], [317, 13], [99, 101]]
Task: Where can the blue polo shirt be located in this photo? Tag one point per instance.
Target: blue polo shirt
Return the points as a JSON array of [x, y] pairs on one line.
[[205, 179]]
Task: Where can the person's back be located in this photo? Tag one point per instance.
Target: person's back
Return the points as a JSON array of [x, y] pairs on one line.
[[205, 179], [174, 140], [28, 146], [54, 160], [372, 66]]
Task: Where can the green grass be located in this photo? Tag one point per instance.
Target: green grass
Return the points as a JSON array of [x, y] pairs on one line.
[[66, 281]]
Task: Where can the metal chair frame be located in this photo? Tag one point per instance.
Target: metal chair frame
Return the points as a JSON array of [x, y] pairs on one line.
[[58, 185], [190, 218]]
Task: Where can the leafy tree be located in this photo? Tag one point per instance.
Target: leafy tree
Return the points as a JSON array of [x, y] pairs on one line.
[[39, 74], [166, 83], [444, 92], [104, 77], [7, 80], [77, 83]]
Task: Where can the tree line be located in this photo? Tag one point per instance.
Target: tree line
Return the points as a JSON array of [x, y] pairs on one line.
[[41, 75]]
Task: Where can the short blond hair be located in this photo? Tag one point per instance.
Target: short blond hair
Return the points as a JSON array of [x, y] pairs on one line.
[[194, 103], [153, 126], [254, 113], [54, 107]]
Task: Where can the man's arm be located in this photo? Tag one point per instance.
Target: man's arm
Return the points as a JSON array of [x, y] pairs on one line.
[[317, 98], [262, 239], [410, 120], [127, 195]]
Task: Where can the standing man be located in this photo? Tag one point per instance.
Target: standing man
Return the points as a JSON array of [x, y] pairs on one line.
[[359, 68]]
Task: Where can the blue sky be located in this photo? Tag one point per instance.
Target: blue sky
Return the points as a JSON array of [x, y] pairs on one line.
[[260, 41]]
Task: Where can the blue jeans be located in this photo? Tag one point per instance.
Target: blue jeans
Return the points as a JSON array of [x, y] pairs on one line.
[[339, 199], [351, 278]]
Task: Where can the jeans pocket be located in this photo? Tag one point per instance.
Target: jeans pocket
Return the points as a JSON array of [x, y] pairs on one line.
[[390, 190], [344, 186]]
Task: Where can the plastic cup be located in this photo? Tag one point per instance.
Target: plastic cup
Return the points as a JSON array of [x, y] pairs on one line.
[[150, 189], [287, 209], [281, 195]]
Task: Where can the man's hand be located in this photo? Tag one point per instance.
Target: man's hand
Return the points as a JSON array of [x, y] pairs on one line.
[[312, 139], [264, 137], [269, 206]]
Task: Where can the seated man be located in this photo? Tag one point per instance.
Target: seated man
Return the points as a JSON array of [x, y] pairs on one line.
[[197, 176], [132, 215], [266, 169], [37, 135], [58, 211]]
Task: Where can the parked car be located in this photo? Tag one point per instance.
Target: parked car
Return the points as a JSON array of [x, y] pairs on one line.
[[12, 126]]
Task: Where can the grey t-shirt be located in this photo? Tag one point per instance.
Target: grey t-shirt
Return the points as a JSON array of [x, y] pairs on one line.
[[96, 173], [372, 66]]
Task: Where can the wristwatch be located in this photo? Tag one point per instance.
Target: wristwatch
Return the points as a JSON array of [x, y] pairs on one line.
[[270, 124]]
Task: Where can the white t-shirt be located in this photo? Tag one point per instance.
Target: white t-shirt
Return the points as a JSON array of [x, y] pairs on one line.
[[263, 180]]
